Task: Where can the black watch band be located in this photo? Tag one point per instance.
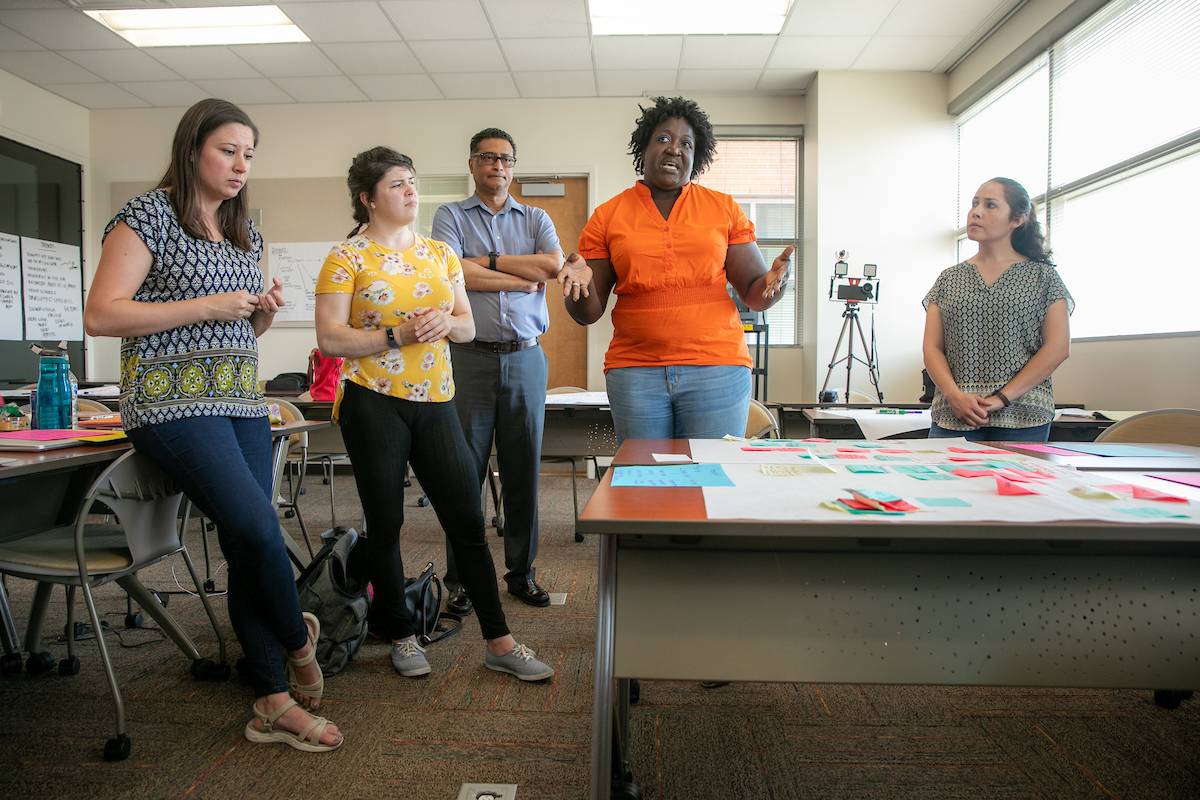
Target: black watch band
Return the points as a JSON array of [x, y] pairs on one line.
[[492, 256], [1003, 397], [391, 338]]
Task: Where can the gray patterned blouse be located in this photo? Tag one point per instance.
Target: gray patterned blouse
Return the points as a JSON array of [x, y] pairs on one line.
[[204, 369], [991, 332]]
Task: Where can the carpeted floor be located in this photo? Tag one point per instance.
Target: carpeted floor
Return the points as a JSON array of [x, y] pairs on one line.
[[421, 739]]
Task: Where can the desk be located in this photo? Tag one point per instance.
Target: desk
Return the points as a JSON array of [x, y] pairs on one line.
[[1086, 604], [829, 425]]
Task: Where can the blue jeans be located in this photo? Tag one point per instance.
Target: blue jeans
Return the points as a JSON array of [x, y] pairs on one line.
[[989, 433], [679, 402], [224, 465]]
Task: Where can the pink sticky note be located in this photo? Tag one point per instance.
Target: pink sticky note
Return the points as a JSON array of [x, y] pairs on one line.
[[991, 451], [892, 452], [1186, 478], [1119, 488], [1045, 448], [963, 472], [962, 458], [814, 439], [51, 435], [1143, 493], [849, 455], [1010, 488]]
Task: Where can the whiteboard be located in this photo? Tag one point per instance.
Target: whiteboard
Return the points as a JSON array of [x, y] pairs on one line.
[[11, 306], [297, 264], [53, 278]]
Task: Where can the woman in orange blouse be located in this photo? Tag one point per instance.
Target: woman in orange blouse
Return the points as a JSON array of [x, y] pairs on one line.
[[677, 366]]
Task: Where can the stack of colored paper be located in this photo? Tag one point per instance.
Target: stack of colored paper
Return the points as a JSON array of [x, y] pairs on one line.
[[870, 501]]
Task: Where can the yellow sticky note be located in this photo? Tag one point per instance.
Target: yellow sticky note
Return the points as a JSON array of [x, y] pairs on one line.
[[1093, 493]]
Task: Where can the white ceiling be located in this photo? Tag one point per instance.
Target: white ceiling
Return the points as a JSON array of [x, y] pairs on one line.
[[468, 49]]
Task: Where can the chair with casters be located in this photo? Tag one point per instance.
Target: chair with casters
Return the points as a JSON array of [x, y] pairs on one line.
[[1162, 426], [83, 555], [570, 459], [92, 406], [295, 468], [760, 422]]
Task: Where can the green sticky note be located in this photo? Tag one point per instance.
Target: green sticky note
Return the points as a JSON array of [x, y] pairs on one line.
[[933, 476], [913, 469], [892, 458], [943, 502], [1153, 513], [861, 468]]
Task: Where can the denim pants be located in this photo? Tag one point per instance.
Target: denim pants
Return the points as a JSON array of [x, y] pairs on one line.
[[382, 435], [679, 402], [990, 433], [224, 465]]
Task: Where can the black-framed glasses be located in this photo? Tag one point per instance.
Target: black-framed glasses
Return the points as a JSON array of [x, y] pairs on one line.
[[492, 158]]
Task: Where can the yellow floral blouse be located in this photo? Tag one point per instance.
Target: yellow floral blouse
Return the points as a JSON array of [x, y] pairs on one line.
[[388, 287]]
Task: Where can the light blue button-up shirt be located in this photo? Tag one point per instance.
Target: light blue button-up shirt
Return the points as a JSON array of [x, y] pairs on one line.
[[472, 230]]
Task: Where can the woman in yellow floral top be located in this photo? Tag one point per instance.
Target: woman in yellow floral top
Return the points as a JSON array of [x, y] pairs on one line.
[[389, 301]]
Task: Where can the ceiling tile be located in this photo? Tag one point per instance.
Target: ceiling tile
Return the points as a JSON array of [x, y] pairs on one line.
[[203, 62], [63, 29], [843, 18], [166, 93], [11, 40], [543, 54], [120, 65], [287, 60], [637, 52], [333, 89], [634, 82], [398, 87], [792, 81], [560, 83], [940, 17], [470, 85], [42, 67], [98, 95], [374, 58], [905, 52], [245, 91], [726, 52], [537, 18], [473, 55], [718, 80], [342, 22], [419, 20], [817, 52]]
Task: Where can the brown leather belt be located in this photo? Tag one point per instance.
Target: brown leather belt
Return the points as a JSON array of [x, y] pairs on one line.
[[500, 347]]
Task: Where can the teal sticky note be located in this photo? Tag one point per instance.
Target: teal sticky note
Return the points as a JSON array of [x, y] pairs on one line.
[[943, 502], [876, 494], [685, 475], [913, 469], [933, 476], [862, 468], [868, 445], [1152, 512], [892, 458], [949, 467]]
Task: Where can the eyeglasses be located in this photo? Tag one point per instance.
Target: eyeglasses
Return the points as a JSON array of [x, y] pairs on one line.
[[492, 158]]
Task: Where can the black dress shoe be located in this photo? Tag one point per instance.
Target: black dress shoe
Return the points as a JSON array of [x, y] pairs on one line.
[[459, 603], [529, 592]]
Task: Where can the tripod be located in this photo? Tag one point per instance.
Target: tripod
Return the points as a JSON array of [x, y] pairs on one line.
[[851, 324]]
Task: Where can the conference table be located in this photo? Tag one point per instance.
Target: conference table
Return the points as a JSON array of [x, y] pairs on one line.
[[867, 600], [41, 490]]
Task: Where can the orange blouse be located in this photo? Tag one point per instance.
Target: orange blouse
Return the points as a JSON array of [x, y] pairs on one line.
[[672, 306]]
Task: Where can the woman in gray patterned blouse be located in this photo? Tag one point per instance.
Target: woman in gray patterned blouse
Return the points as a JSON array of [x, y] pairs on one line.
[[996, 325], [179, 281]]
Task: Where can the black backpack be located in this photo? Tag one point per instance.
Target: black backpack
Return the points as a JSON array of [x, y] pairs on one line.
[[329, 589]]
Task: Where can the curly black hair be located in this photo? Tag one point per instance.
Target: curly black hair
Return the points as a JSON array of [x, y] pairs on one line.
[[665, 108]]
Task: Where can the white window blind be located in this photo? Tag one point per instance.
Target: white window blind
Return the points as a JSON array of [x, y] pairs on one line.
[[435, 191]]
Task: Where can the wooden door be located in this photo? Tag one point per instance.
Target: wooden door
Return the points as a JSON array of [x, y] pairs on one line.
[[565, 342]]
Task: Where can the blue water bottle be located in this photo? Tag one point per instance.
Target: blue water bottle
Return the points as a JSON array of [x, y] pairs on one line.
[[53, 393]]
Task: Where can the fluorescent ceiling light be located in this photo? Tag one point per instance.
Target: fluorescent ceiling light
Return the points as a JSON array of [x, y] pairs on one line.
[[637, 17], [165, 27]]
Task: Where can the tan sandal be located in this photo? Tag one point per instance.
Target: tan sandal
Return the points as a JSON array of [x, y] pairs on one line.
[[308, 694], [308, 740]]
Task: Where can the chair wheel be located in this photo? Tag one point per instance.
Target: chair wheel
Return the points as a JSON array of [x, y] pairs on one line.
[[69, 666], [635, 691], [117, 748], [1170, 698], [39, 663], [243, 668], [289, 514], [422, 501], [10, 664], [135, 620], [626, 790], [579, 537], [205, 669]]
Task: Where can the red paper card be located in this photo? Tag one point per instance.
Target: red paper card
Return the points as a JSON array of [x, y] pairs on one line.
[[1010, 488], [985, 451], [962, 458], [1144, 493], [963, 472], [893, 452], [849, 455]]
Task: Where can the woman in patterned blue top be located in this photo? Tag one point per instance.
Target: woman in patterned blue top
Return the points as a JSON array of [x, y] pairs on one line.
[[996, 326], [179, 281]]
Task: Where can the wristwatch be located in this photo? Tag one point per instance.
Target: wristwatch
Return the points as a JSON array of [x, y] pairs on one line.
[[492, 256], [1003, 397], [391, 339]]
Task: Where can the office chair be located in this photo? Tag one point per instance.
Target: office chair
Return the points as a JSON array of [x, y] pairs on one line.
[[1163, 426]]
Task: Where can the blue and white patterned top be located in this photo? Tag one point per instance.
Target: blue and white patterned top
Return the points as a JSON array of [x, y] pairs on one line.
[[206, 369]]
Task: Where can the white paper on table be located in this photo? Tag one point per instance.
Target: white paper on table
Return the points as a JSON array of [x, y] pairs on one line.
[[578, 399], [53, 293], [297, 264], [672, 458], [11, 305], [110, 390], [799, 498], [879, 426], [722, 451]]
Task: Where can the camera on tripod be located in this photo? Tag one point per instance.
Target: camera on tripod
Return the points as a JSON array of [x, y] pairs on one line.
[[845, 289]]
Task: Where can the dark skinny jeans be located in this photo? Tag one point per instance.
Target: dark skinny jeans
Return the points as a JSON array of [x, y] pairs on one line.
[[382, 434]]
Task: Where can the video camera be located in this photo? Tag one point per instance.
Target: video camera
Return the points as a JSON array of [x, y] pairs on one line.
[[844, 289]]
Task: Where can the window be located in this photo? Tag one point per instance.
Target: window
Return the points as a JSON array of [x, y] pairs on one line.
[[436, 191], [1104, 130], [762, 173]]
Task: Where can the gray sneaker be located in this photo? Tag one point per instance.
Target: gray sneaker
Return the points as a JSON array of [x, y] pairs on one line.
[[519, 661], [409, 659]]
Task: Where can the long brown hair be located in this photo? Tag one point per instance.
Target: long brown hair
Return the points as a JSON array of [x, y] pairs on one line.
[[180, 179], [366, 170], [1027, 239]]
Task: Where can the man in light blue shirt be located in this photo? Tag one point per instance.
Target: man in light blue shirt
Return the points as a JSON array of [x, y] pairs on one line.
[[508, 251]]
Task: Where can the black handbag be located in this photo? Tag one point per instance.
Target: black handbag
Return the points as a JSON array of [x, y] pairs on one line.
[[423, 598]]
